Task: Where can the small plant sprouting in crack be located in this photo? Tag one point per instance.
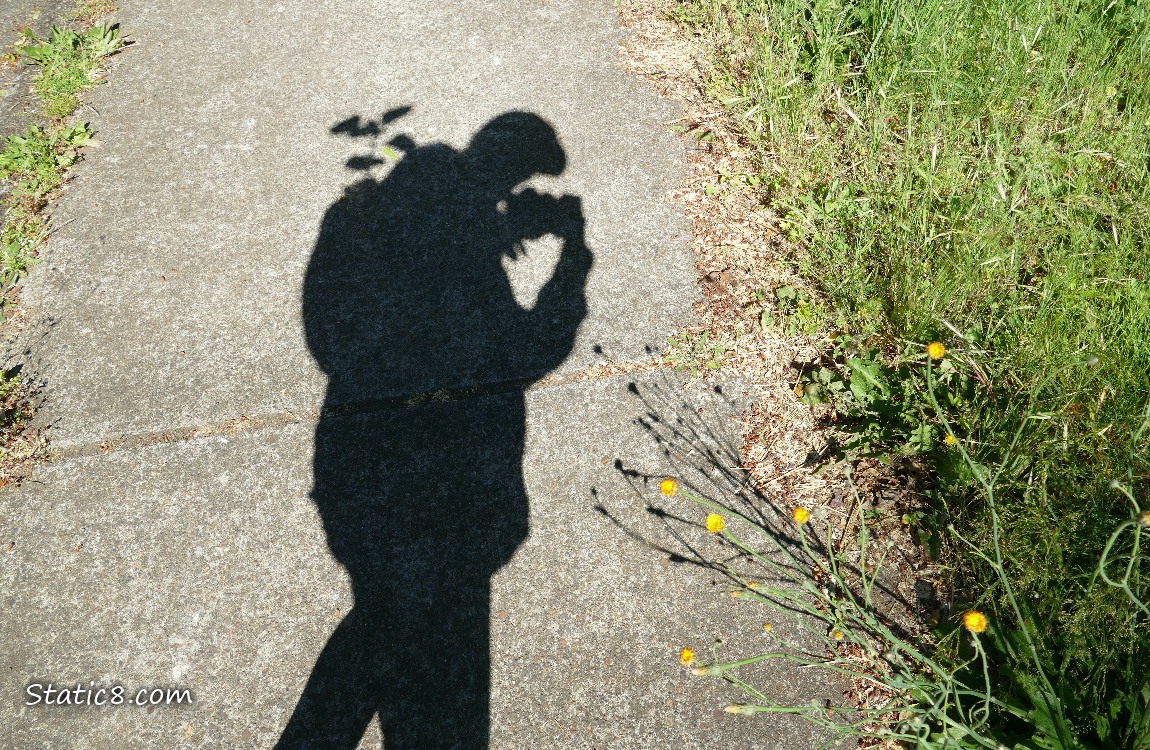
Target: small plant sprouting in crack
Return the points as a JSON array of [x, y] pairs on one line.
[[21, 445]]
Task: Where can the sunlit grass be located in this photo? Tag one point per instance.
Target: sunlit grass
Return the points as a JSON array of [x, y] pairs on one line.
[[977, 174]]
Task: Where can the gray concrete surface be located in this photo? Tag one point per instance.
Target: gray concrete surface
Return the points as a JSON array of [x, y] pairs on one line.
[[215, 259], [173, 282], [203, 565]]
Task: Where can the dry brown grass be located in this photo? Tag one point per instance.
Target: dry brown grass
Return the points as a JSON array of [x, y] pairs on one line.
[[737, 249]]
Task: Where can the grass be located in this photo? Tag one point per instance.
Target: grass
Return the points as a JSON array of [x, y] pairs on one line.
[[69, 64], [89, 11], [978, 174], [34, 164]]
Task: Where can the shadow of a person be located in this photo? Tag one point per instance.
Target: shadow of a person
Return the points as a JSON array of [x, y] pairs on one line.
[[422, 499]]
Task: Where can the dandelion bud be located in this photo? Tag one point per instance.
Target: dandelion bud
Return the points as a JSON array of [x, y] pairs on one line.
[[1144, 518], [1092, 360], [741, 708], [708, 671]]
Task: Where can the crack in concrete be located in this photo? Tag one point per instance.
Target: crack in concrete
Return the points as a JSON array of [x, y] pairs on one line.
[[250, 423]]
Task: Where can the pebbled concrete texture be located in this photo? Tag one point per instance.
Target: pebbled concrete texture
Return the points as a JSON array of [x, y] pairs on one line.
[[171, 289], [202, 564], [241, 244]]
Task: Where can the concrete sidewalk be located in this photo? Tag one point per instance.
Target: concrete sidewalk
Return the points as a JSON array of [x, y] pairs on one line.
[[306, 335]]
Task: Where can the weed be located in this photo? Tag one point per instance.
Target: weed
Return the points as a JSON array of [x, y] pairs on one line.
[[37, 159], [987, 679], [695, 352], [796, 311], [69, 62], [20, 444], [35, 162]]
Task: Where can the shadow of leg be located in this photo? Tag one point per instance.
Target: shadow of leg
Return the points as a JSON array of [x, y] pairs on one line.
[[439, 699], [420, 660], [343, 692]]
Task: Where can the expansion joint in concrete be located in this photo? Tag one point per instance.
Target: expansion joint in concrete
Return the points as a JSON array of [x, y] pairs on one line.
[[251, 423]]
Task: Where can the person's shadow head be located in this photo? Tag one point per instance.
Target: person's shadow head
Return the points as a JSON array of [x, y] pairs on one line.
[[511, 149], [418, 451]]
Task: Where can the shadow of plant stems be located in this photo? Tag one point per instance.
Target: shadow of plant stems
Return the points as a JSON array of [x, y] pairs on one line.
[[708, 464], [962, 689]]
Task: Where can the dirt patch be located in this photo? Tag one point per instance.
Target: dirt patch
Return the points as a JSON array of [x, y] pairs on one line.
[[737, 249]]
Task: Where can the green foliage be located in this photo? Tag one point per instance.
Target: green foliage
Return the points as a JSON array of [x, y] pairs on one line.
[[696, 352], [22, 234], [37, 159], [35, 162], [795, 312], [978, 173], [69, 62], [992, 683], [881, 405]]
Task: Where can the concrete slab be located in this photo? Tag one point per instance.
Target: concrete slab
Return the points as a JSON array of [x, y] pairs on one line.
[[173, 290], [205, 565]]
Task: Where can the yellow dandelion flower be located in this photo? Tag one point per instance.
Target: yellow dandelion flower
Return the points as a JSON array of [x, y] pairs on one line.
[[949, 439], [801, 515], [686, 656], [668, 486], [974, 621], [837, 635], [715, 523], [935, 350], [767, 627]]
